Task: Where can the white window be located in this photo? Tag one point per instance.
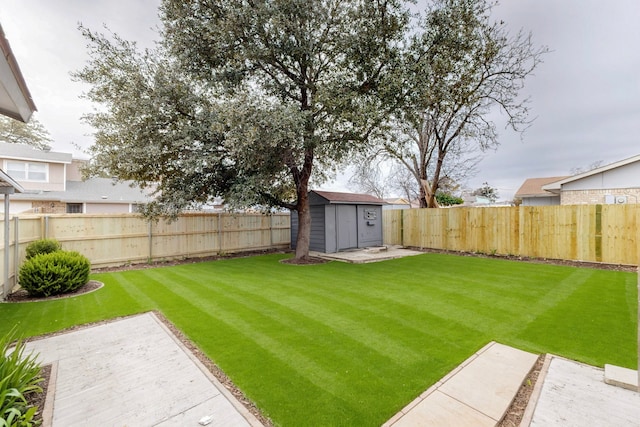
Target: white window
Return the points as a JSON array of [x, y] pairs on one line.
[[23, 171]]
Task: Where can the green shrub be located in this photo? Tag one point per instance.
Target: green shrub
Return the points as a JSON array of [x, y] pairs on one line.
[[42, 246], [54, 273], [19, 377], [445, 199]]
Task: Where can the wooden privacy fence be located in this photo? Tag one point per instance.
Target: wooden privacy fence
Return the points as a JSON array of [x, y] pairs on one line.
[[594, 233], [112, 240]]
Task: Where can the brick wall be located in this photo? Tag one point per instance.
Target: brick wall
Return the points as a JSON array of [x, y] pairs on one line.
[[49, 207], [593, 197]]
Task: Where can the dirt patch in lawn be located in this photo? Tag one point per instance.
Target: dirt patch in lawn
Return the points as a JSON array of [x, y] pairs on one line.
[[304, 261], [513, 416]]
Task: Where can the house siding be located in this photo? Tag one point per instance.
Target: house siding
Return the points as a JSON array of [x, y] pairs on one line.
[[540, 201], [591, 197], [107, 208]]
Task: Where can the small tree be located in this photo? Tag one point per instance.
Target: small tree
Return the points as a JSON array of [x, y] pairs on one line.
[[486, 191], [446, 199], [461, 66]]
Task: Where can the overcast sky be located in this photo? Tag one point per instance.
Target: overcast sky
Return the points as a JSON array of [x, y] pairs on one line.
[[585, 95]]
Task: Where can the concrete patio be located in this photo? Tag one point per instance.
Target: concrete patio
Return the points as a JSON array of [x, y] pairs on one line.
[[132, 372]]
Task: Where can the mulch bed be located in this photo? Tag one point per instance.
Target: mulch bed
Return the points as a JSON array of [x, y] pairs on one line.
[[513, 416], [583, 264], [22, 296]]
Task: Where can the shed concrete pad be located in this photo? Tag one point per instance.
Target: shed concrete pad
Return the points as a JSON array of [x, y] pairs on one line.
[[574, 394], [133, 371], [362, 256]]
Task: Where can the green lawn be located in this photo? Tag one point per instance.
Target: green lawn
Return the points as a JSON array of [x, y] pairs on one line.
[[345, 344]]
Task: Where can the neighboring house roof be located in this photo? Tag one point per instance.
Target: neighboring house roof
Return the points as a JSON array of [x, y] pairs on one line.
[[532, 187], [26, 152], [93, 190], [349, 198], [15, 99], [555, 187], [397, 201]]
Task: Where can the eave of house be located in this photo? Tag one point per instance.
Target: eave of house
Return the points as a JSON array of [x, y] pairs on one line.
[[15, 100], [7, 183]]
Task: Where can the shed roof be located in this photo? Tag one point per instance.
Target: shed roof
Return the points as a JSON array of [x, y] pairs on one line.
[[349, 198], [532, 187]]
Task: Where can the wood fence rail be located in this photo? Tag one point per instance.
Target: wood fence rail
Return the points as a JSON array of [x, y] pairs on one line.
[[114, 240], [593, 233]]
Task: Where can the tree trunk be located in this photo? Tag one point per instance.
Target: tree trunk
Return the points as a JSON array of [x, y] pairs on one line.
[[304, 222], [429, 197]]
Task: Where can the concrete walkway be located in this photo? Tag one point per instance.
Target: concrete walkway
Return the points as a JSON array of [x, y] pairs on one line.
[[132, 372], [573, 394], [476, 393]]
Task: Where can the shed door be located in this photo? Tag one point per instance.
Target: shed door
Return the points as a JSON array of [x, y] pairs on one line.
[[346, 227]]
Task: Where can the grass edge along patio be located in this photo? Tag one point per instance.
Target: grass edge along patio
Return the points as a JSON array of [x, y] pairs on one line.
[[347, 344]]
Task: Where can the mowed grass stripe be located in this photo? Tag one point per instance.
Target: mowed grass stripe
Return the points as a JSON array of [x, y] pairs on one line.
[[400, 324], [343, 314], [292, 326], [260, 330]]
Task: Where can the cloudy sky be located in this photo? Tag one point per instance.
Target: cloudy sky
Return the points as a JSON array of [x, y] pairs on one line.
[[585, 95]]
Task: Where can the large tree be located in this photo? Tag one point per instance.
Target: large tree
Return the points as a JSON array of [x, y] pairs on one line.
[[462, 67], [245, 99], [32, 133]]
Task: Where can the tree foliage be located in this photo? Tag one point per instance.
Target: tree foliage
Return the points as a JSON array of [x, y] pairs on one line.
[[448, 199], [155, 125], [461, 67], [486, 191], [244, 100], [253, 101], [32, 133]]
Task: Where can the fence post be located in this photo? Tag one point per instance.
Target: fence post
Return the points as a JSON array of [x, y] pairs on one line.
[[45, 232], [5, 279], [402, 226], [270, 231], [16, 249], [219, 233], [150, 242]]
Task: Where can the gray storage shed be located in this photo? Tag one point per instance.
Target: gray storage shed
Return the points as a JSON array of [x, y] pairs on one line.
[[341, 221]]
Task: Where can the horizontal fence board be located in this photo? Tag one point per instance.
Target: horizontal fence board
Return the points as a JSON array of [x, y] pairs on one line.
[[592, 233]]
